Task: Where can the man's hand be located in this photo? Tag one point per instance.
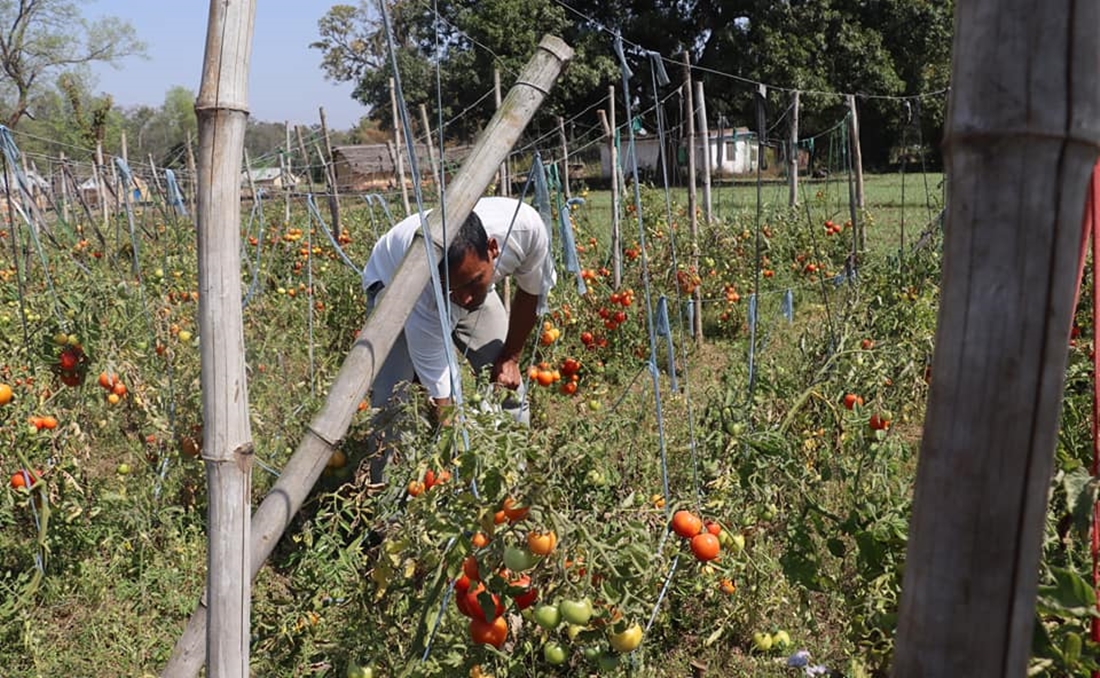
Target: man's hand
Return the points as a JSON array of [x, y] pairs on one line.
[[442, 410], [506, 373]]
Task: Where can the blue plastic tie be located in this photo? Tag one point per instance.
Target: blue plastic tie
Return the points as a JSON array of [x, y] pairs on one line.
[[175, 196], [787, 306]]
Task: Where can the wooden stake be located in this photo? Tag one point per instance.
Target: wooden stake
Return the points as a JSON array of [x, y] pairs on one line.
[[222, 110], [616, 196], [399, 162], [1020, 145], [381, 330], [330, 175], [64, 191], [305, 157], [792, 161], [564, 158], [504, 181]]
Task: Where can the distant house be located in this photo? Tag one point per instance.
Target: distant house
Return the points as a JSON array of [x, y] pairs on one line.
[[731, 153], [372, 167], [267, 180]]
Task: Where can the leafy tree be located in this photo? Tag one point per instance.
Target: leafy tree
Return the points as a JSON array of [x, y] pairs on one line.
[[43, 38], [469, 41]]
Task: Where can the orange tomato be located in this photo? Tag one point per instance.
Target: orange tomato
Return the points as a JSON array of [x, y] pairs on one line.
[[489, 633], [686, 524], [49, 423], [21, 479], [119, 389], [6, 394], [727, 586], [416, 488], [479, 540], [541, 543]]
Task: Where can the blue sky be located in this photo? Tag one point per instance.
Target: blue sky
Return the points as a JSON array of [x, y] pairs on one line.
[[286, 82]]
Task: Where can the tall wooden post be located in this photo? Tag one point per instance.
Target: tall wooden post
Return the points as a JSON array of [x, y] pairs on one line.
[[616, 227], [330, 175], [1019, 147], [857, 169], [399, 163], [564, 158], [693, 217], [792, 160], [381, 330], [222, 110], [708, 165], [101, 184]]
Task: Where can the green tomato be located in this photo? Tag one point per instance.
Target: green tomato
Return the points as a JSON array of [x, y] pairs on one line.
[[762, 641], [607, 661], [554, 653], [356, 671], [123, 469], [548, 616], [518, 560], [594, 478], [781, 639], [576, 611], [592, 653]]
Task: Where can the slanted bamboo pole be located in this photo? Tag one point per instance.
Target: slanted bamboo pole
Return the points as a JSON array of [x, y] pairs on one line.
[[222, 110], [381, 331], [1020, 144]]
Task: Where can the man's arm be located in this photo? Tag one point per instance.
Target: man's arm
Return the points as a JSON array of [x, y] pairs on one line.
[[521, 321]]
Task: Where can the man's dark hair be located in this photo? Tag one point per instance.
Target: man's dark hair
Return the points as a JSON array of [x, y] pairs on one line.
[[471, 237]]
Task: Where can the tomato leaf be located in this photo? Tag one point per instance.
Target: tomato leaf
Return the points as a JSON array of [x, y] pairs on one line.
[[1069, 595]]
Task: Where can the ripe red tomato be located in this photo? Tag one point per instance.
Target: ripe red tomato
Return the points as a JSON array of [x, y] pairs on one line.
[[705, 546], [686, 524]]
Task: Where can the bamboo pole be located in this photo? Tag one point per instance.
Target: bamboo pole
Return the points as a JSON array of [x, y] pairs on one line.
[[330, 176], [64, 191], [222, 110], [380, 332], [857, 169], [792, 161], [305, 157], [1020, 145], [435, 166], [693, 217], [616, 226], [504, 182], [288, 168], [398, 159], [191, 174]]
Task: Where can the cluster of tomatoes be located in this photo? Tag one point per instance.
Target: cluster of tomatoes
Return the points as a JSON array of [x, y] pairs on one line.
[[835, 229], [612, 319], [419, 487], [24, 479], [688, 280], [703, 538], [116, 390], [71, 363], [549, 334]]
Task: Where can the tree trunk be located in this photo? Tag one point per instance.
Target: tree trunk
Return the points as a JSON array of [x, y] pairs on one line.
[[1020, 144], [222, 110], [381, 331]]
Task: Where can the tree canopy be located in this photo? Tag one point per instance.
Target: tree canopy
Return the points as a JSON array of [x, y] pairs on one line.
[[44, 39], [885, 52]]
